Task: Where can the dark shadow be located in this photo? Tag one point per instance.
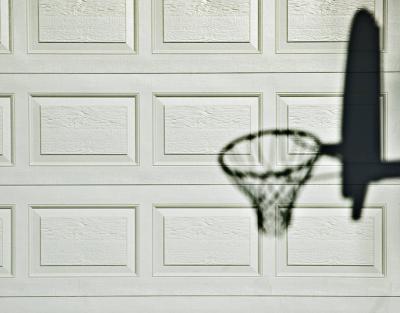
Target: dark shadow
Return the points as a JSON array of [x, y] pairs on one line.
[[360, 149]]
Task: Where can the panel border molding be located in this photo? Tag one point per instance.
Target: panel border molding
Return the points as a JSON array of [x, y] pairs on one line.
[[378, 270], [5, 27], [283, 158], [283, 45], [131, 158], [7, 215], [162, 159], [161, 269], [128, 47], [7, 158], [254, 46], [36, 269]]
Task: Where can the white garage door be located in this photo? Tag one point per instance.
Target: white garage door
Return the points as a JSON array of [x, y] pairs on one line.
[[112, 115]]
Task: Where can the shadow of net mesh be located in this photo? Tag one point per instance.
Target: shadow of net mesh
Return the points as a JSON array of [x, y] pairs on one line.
[[269, 167]]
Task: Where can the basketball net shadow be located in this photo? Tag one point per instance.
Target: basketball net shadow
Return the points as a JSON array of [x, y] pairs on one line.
[[273, 190]]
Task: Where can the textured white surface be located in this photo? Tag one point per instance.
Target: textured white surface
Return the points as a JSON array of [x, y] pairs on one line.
[[2, 132], [84, 129], [322, 20], [331, 240], [192, 129], [89, 240], [82, 21], [1, 242], [207, 240], [322, 120], [6, 243], [204, 128], [6, 131], [206, 20]]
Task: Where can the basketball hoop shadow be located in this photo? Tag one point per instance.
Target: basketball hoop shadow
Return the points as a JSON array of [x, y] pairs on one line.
[[359, 151]]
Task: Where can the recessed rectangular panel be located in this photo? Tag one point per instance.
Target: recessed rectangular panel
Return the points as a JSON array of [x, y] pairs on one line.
[[205, 241], [321, 20], [319, 239], [87, 129], [321, 117], [83, 240], [325, 241], [225, 26], [206, 21], [6, 131], [81, 128], [194, 129], [6, 244], [1, 243], [5, 41], [203, 126], [83, 26], [1, 131], [82, 21], [321, 26]]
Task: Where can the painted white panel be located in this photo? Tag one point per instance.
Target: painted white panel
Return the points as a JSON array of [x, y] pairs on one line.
[[318, 114], [84, 128], [211, 26], [207, 240], [201, 126], [82, 26], [6, 244], [325, 241], [1, 243], [331, 240], [322, 26], [5, 23], [206, 21], [82, 21], [321, 117], [322, 20], [6, 131], [203, 304], [263, 278], [82, 240], [194, 129], [90, 240], [1, 130]]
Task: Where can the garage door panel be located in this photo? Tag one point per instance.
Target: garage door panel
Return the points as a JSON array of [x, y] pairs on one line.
[[324, 241], [97, 27], [68, 130], [159, 128], [318, 27], [197, 236], [82, 241], [205, 241], [259, 34]]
